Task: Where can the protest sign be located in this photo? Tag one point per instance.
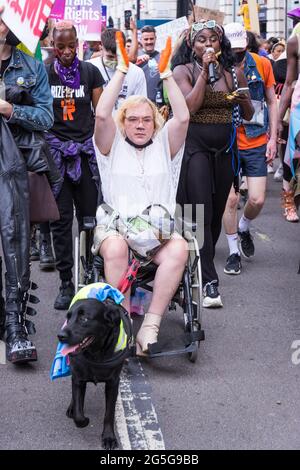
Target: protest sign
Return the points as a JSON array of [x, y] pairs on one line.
[[201, 13], [26, 19], [58, 10], [87, 18], [171, 28]]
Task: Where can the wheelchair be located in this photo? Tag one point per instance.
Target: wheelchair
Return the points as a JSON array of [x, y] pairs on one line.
[[89, 268]]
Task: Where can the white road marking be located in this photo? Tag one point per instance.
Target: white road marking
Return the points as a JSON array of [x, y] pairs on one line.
[[136, 418]]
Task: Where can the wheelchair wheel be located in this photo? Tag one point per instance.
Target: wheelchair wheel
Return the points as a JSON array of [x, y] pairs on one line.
[[193, 293], [196, 278], [83, 258], [83, 273], [79, 260], [76, 264], [193, 356]]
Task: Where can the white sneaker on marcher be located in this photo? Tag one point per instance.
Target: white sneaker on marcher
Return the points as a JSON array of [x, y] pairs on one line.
[[278, 176], [211, 296]]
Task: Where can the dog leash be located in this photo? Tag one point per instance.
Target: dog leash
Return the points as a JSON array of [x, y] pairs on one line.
[[130, 276]]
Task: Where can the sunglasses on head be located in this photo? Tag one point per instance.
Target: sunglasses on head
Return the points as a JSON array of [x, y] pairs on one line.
[[206, 24]]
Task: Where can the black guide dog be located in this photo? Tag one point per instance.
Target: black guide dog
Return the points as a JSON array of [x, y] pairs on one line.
[[92, 333]]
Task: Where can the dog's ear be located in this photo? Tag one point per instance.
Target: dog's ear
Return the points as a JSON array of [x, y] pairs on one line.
[[112, 314]]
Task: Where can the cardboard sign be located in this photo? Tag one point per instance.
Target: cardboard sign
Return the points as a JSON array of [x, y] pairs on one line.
[[207, 14], [172, 28], [87, 18], [58, 10], [26, 19]]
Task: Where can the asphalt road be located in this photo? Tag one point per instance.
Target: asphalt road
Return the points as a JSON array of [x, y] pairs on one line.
[[243, 393]]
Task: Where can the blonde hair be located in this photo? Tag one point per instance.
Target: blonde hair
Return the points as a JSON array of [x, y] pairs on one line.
[[133, 101]]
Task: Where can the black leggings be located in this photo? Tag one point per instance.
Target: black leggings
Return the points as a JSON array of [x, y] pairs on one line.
[[287, 174], [206, 178], [84, 197]]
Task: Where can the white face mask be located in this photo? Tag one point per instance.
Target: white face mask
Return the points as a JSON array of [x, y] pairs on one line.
[[110, 63]]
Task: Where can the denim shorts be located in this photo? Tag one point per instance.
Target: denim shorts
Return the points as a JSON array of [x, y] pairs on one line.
[[253, 161]]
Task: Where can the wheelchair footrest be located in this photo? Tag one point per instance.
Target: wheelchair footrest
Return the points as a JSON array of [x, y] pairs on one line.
[[156, 351], [194, 336]]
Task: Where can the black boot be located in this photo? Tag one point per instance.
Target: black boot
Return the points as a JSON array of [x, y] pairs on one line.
[[47, 260], [34, 251], [65, 296], [19, 349], [2, 305]]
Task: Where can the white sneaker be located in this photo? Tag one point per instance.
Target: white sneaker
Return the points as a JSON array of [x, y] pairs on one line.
[[211, 296], [278, 176]]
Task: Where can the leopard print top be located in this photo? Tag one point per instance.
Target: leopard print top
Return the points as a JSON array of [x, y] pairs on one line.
[[216, 109]]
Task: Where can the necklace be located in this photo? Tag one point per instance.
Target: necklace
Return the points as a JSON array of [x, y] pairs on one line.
[[216, 67], [140, 156], [199, 66]]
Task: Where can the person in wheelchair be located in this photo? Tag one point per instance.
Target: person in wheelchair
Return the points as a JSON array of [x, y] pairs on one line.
[[136, 158]]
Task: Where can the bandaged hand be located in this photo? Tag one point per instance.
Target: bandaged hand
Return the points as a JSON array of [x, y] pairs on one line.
[[123, 60], [165, 60]]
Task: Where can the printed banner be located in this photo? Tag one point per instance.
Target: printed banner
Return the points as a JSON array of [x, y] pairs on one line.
[[26, 19], [58, 10], [86, 16]]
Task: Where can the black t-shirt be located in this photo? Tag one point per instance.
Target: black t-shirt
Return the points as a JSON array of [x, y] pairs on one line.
[[150, 69], [73, 113], [279, 70]]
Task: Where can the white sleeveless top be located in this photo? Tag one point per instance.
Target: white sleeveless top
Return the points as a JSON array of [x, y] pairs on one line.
[[133, 180]]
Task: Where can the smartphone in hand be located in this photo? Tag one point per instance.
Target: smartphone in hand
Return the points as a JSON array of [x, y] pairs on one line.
[[127, 16], [242, 91]]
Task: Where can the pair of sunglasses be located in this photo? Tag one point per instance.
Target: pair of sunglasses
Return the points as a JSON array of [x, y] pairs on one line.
[[207, 24]]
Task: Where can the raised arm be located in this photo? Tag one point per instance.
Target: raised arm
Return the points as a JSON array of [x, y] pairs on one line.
[[177, 126], [105, 127], [291, 76], [133, 52]]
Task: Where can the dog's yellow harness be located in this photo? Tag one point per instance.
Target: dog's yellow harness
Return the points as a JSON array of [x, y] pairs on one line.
[[101, 291], [123, 349]]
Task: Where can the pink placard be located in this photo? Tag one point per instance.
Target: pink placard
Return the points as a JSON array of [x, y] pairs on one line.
[[86, 18], [58, 10]]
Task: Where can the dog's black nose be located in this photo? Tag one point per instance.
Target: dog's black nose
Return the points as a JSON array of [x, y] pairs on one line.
[[63, 336]]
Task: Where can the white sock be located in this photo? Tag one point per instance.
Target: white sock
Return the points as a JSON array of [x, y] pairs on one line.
[[244, 224], [233, 243]]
